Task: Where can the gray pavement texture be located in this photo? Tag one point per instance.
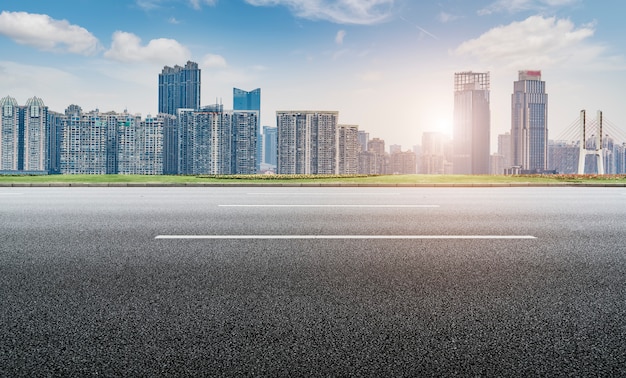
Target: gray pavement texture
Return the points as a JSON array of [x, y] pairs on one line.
[[87, 290]]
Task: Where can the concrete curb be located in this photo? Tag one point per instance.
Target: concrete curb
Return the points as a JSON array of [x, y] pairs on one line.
[[313, 185]]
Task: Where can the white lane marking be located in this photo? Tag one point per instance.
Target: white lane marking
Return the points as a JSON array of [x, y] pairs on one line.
[[320, 194], [11, 194], [338, 205], [493, 237]]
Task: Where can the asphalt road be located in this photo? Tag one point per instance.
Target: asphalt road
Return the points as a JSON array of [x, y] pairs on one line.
[[312, 282]]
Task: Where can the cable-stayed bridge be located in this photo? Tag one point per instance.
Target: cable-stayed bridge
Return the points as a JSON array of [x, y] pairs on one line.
[[601, 144]]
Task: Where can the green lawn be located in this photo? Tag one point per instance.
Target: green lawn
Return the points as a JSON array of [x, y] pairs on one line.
[[299, 179]]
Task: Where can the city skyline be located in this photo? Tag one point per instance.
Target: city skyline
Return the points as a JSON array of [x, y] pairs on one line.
[[385, 65]]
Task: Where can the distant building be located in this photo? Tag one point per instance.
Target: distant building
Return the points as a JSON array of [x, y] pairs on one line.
[[402, 163], [563, 156], [377, 147], [529, 122], [348, 148], [269, 145], [394, 148], [307, 142], [364, 137], [433, 153], [179, 88], [472, 123], [504, 150]]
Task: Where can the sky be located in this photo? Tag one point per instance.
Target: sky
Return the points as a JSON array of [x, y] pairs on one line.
[[385, 65]]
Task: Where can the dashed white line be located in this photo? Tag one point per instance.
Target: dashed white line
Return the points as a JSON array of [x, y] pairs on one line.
[[335, 205], [445, 237]]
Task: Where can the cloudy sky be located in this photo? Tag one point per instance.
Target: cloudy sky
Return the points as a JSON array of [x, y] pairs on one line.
[[385, 65]]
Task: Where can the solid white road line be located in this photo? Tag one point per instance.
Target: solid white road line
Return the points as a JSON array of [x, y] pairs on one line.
[[337, 205], [489, 237]]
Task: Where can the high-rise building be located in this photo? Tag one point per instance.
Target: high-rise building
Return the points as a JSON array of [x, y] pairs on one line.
[[348, 149], [24, 136], [269, 145], [217, 141], [472, 123], [529, 122], [250, 100], [179, 88], [307, 142], [84, 147], [245, 141], [9, 134]]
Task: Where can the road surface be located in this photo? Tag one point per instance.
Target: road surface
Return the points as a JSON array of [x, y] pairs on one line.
[[267, 281]]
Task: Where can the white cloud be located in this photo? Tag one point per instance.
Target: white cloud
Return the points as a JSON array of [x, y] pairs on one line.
[[514, 6], [444, 17], [214, 61], [535, 42], [197, 4], [338, 11], [126, 47], [341, 34], [45, 33]]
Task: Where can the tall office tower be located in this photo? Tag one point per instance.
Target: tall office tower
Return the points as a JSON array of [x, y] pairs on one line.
[[245, 139], [205, 138], [244, 100], [269, 145], [348, 149], [364, 137], [307, 142], [179, 88], [472, 123], [9, 134], [529, 122]]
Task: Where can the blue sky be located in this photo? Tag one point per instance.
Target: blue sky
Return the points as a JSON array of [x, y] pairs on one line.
[[385, 65]]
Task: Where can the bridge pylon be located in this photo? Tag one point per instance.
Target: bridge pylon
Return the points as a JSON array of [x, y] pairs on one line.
[[597, 151]]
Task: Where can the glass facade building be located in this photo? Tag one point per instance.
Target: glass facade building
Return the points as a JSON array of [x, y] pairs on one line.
[[472, 123], [529, 122]]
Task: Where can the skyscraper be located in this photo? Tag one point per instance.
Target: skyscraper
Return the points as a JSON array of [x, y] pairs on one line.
[[307, 142], [529, 122], [472, 123], [244, 100], [179, 88]]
